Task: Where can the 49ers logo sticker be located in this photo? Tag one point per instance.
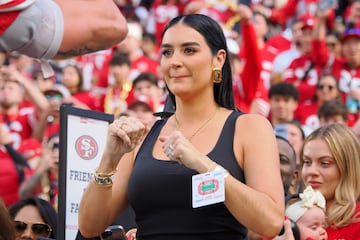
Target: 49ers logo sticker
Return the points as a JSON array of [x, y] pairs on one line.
[[86, 147]]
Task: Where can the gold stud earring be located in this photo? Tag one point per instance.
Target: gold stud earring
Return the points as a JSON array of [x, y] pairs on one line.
[[216, 75]]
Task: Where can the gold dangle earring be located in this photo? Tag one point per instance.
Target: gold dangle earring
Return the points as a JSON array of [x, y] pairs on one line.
[[216, 75]]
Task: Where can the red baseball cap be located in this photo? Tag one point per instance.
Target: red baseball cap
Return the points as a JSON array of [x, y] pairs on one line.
[[308, 20], [142, 100]]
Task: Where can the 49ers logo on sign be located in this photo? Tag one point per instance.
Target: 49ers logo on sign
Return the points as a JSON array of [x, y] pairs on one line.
[[86, 147]]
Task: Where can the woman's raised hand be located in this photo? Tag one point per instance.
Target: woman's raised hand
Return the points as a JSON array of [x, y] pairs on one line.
[[124, 135]]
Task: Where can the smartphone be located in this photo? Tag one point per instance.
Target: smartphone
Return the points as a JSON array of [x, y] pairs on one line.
[[294, 228], [114, 232]]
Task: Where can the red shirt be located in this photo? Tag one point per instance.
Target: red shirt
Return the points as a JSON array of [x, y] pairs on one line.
[[350, 232], [306, 113], [162, 12], [19, 126], [273, 47], [9, 180], [295, 73], [89, 99]]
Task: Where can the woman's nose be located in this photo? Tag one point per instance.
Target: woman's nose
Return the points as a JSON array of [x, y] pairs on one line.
[[175, 60], [176, 63], [28, 234]]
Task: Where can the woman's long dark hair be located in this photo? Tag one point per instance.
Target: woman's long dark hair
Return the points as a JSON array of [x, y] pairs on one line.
[[215, 38]]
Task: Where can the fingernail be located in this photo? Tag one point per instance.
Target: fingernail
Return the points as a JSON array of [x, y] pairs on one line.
[[286, 217]]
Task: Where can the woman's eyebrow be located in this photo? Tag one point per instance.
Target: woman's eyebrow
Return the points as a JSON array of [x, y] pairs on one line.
[[186, 44]]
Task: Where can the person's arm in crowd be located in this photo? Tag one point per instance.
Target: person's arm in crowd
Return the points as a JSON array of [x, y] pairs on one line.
[[34, 94], [90, 26], [321, 55], [30, 186], [40, 129], [250, 76], [278, 15]]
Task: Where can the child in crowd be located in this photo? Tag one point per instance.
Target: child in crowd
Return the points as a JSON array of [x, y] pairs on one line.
[[308, 216]]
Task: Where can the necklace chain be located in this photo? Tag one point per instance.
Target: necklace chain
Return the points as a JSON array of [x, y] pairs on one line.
[[200, 128]]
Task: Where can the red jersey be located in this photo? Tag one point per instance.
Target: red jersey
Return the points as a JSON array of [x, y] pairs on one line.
[[91, 65], [306, 113], [89, 99], [9, 179], [144, 64], [19, 126], [273, 47], [162, 12], [303, 72]]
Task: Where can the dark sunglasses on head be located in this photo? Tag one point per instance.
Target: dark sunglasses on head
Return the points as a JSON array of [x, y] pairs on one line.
[[40, 229], [322, 87]]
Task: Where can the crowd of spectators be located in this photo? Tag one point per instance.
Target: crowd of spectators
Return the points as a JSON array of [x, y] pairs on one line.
[[295, 62]]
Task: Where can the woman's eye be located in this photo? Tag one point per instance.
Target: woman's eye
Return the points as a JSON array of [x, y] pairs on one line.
[[189, 50], [166, 52], [306, 162], [325, 163]]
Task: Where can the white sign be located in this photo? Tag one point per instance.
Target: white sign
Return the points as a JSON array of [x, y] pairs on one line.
[[82, 140]]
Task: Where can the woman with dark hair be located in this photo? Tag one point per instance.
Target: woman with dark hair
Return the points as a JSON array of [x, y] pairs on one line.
[[205, 172], [72, 79], [34, 217]]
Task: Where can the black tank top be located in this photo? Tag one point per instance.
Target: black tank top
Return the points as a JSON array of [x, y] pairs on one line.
[[160, 193]]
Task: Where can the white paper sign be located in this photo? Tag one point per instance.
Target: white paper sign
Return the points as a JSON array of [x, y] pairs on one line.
[[85, 142]]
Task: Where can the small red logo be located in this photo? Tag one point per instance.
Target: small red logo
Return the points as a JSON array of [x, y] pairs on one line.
[[86, 147]]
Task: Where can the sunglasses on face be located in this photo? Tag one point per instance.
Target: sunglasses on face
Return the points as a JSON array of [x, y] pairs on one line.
[[55, 97], [39, 229], [322, 87]]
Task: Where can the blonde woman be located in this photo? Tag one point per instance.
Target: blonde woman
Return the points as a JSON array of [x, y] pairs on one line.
[[330, 160]]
